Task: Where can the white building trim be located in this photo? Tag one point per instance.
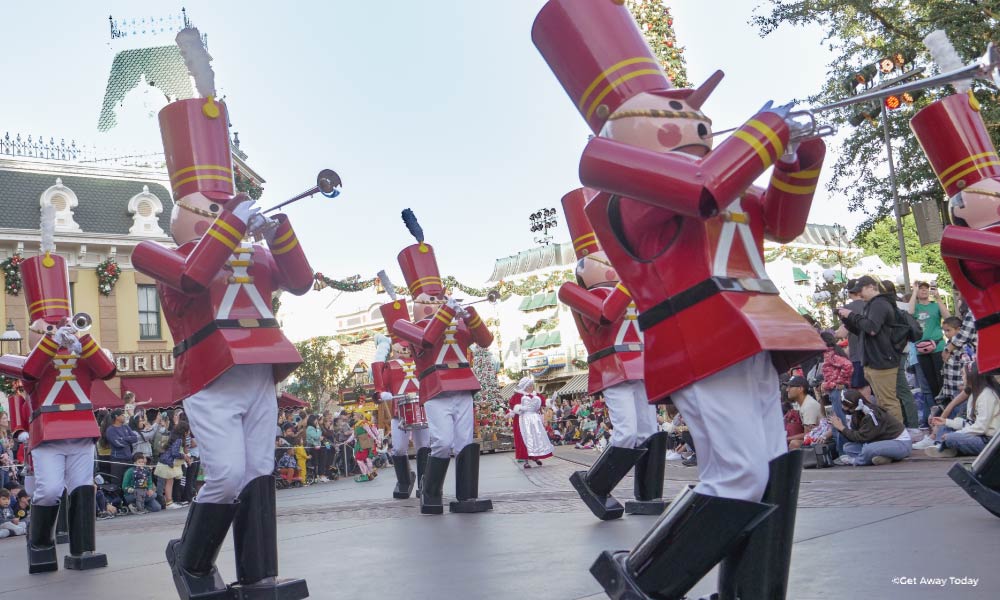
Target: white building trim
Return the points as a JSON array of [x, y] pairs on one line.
[[145, 208]]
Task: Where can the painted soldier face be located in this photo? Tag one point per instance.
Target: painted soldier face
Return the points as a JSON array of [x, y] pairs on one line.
[[978, 205], [192, 216], [425, 305], [401, 350], [660, 124], [595, 270]]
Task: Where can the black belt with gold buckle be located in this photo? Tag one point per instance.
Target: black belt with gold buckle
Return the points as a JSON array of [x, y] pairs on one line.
[[444, 367], [703, 291], [596, 356], [51, 408], [213, 326]]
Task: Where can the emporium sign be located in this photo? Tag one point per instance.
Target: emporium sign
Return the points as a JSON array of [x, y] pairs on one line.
[[144, 363]]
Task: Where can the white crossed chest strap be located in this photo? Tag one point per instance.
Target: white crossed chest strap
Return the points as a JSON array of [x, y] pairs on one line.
[[730, 228], [65, 364], [409, 375], [240, 277], [629, 322], [450, 343]]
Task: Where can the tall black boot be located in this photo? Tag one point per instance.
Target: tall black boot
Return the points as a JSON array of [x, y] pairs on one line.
[[431, 502], [595, 486], [255, 535], [648, 478], [404, 477], [695, 533], [62, 521], [192, 558], [758, 568], [467, 483], [981, 480], [41, 548], [422, 455], [82, 544]]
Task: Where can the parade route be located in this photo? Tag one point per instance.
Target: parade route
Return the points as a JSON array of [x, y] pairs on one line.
[[864, 532]]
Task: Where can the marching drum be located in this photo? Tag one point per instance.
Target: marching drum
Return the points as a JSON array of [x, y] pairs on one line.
[[410, 413]]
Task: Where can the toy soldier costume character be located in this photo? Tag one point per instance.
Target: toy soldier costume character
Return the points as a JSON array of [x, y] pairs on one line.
[[215, 290], [608, 323], [441, 332], [684, 229], [57, 377]]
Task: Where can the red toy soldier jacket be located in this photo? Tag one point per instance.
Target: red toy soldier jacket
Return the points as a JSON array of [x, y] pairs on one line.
[[216, 297], [691, 257], [607, 321], [441, 344]]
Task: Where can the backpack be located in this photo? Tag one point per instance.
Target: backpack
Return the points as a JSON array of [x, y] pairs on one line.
[[906, 329]]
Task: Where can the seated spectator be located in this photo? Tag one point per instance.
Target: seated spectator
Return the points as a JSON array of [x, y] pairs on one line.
[[140, 490], [969, 435], [105, 509], [587, 429], [288, 466], [874, 438], [962, 337], [23, 508], [808, 408], [10, 524]]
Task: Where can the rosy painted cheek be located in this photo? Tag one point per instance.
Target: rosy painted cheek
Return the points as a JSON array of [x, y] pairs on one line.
[[610, 275], [669, 135], [427, 311], [201, 227]]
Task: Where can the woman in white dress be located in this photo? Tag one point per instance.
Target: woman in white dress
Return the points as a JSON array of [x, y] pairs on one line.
[[531, 443]]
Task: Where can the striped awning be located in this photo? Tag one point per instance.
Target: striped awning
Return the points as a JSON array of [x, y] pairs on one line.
[[577, 384]]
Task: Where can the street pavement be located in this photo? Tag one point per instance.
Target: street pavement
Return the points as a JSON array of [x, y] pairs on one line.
[[897, 531]]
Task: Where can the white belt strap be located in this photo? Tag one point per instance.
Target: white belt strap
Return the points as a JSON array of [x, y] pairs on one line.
[[730, 228], [629, 322], [450, 343], [69, 363]]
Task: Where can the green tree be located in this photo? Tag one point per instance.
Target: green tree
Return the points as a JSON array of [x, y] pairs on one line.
[[860, 32], [657, 26], [881, 240], [323, 365]]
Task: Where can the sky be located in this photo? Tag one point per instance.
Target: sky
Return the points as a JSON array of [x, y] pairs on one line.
[[444, 107]]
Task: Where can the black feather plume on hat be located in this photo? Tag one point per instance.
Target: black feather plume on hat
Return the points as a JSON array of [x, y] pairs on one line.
[[410, 220]]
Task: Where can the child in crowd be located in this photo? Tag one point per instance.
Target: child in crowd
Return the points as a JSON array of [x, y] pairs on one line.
[[9, 523], [171, 463], [140, 491], [23, 509], [957, 355], [287, 465]]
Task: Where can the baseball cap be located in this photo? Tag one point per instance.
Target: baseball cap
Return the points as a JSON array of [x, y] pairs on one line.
[[797, 381], [861, 282]]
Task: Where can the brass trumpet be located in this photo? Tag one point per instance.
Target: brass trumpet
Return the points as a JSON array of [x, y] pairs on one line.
[[327, 183], [492, 296]]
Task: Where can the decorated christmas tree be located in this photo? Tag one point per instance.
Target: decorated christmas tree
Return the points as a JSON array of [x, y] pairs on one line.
[[490, 407], [657, 25]]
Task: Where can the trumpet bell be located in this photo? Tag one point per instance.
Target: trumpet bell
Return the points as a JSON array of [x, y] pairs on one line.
[[327, 183], [82, 321]]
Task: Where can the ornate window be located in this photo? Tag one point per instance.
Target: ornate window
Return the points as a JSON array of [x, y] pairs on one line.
[[64, 200], [145, 209]]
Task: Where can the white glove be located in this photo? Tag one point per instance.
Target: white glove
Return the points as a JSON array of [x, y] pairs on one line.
[[385, 396], [262, 226], [66, 337], [453, 304], [22, 437], [247, 211]]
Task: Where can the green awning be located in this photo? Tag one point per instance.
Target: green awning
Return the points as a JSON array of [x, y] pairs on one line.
[[534, 303], [529, 343], [555, 338], [550, 300], [524, 303], [803, 311], [799, 275]]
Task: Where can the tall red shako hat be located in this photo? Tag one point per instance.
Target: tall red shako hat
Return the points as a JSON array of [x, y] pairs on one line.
[[46, 278], [601, 59], [580, 230], [195, 136], [953, 135], [418, 263], [392, 312]]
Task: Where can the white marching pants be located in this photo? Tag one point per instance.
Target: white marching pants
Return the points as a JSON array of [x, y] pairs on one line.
[[451, 426], [61, 464], [632, 416], [736, 423], [233, 420], [401, 438]]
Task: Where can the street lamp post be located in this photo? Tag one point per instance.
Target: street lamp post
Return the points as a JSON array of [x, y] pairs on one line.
[[895, 203], [12, 335], [541, 221]]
